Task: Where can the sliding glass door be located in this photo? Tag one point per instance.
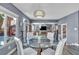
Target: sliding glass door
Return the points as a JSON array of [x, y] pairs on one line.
[[2, 16]]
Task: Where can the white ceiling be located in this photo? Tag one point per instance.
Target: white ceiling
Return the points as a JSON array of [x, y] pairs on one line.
[[53, 11]]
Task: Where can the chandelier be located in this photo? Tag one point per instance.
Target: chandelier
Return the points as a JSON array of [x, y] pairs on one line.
[[39, 13]]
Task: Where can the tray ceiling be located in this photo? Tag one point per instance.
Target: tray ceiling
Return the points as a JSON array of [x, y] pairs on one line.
[[53, 11]]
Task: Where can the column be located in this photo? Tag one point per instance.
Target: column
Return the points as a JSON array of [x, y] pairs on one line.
[[5, 29], [17, 28], [24, 31]]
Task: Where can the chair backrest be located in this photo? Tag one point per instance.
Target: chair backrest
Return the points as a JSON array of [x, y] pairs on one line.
[[60, 47], [19, 46], [50, 36], [29, 36]]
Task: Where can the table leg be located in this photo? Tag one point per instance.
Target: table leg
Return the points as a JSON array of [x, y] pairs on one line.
[[39, 51]]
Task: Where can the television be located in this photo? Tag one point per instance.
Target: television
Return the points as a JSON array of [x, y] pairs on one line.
[[43, 28]]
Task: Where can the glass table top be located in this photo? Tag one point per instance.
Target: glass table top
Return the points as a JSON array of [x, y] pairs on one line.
[[44, 43]]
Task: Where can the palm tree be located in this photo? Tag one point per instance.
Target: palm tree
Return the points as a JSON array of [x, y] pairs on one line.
[[1, 16]]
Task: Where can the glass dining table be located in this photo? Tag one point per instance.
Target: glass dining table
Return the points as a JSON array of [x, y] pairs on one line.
[[40, 43]]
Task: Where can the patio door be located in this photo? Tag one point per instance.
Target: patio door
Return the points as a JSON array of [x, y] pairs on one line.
[[2, 16]]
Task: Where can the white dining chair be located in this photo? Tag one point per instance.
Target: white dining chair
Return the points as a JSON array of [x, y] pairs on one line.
[[26, 51], [58, 51], [29, 36], [50, 36]]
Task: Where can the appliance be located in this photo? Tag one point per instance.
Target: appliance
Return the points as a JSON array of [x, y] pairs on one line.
[[43, 28]]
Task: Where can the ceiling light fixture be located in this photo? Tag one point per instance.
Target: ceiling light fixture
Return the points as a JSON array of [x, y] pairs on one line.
[[39, 13]]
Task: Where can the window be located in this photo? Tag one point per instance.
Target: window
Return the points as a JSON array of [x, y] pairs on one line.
[[1, 28]]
